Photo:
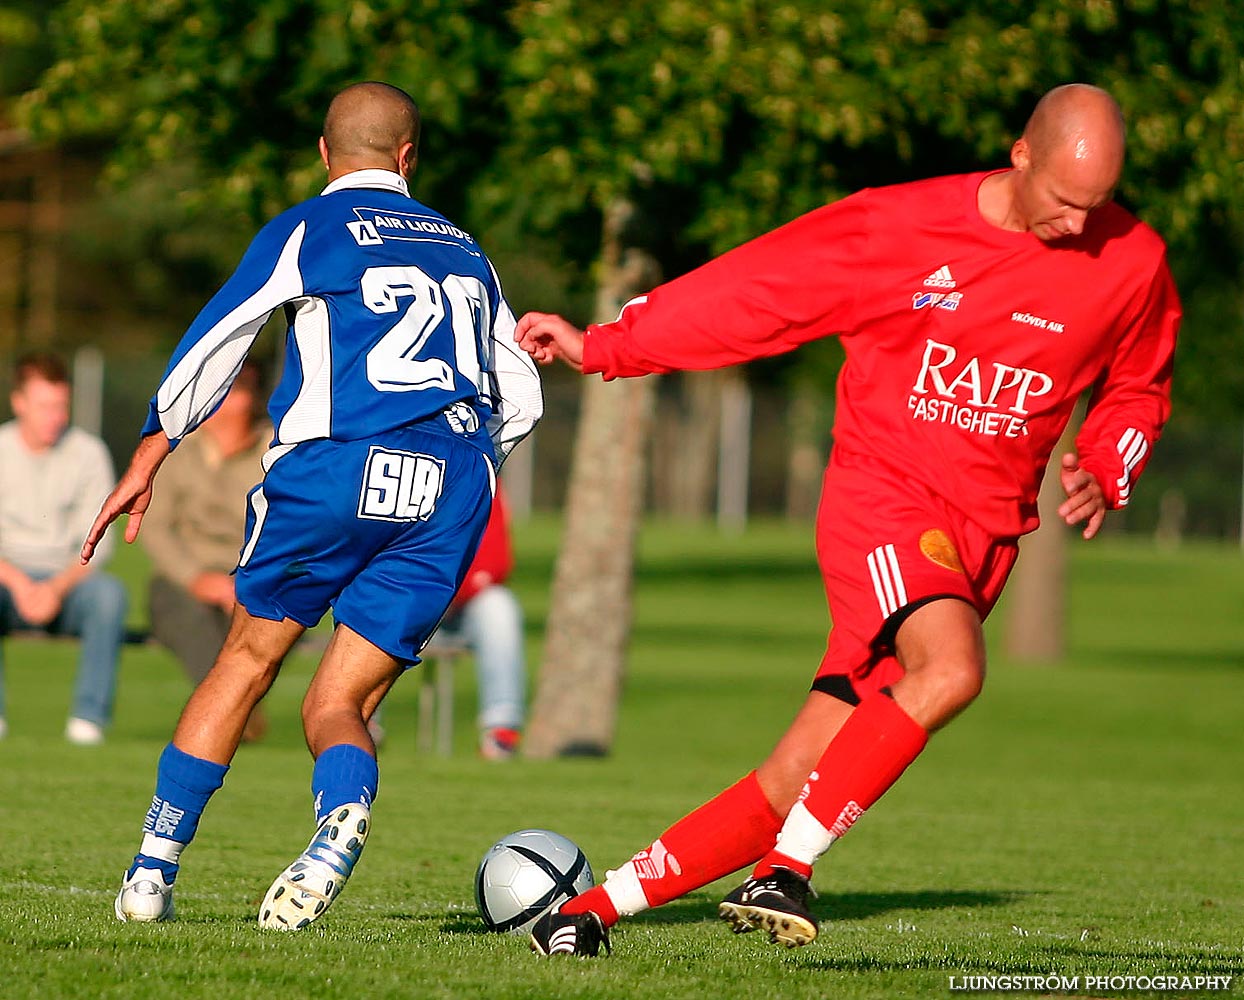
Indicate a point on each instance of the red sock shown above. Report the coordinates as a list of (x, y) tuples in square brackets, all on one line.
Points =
[(867, 756), (725, 834)]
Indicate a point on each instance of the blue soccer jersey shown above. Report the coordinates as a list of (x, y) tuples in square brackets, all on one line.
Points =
[(394, 315)]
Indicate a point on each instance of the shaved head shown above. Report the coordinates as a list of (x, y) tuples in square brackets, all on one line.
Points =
[(1080, 122), (1066, 165), (368, 125)]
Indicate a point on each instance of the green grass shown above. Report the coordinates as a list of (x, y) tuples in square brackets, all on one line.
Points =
[(1081, 819)]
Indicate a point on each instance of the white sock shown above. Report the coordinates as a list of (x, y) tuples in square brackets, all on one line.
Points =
[(625, 891), (803, 837)]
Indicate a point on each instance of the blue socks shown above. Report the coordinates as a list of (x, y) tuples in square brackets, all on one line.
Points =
[(183, 786), (343, 773)]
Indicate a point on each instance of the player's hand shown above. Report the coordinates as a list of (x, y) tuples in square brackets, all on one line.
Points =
[(132, 495), (547, 337), (1085, 500)]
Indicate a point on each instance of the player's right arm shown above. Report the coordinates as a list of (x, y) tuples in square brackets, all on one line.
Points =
[(547, 337), (792, 285)]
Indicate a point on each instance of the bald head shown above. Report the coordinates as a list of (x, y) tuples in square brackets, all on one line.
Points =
[(370, 125), (1080, 122), (1067, 162)]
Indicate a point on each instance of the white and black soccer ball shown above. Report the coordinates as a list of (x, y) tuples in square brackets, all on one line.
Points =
[(525, 874)]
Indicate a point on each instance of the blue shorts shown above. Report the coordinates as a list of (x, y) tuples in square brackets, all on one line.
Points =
[(382, 531)]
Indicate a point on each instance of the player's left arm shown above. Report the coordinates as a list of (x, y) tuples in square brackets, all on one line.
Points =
[(518, 399), (131, 495), (210, 353), (1130, 403)]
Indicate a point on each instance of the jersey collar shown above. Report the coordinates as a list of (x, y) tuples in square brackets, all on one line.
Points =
[(370, 178)]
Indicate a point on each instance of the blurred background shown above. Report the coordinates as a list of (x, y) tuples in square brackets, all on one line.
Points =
[(142, 142)]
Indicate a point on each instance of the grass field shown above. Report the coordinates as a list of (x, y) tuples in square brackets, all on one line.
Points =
[(1080, 819)]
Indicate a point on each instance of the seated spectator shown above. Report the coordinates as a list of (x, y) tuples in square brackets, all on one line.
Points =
[(486, 616), (195, 526), (53, 478)]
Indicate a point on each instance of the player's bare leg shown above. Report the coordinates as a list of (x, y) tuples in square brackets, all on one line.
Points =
[(943, 654), (193, 765), (353, 677), (942, 649), (786, 769), (211, 724)]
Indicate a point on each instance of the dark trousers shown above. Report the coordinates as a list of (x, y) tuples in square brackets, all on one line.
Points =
[(191, 630)]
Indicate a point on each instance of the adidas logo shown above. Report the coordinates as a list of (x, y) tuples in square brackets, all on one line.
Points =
[(941, 278)]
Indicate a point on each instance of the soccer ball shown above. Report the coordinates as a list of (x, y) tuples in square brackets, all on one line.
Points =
[(525, 874)]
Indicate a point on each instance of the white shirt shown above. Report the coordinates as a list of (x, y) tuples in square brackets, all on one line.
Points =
[(49, 499)]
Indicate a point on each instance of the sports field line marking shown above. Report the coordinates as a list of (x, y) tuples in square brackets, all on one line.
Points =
[(79, 890)]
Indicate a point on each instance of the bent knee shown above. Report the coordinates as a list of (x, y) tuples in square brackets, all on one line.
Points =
[(962, 683), (945, 688)]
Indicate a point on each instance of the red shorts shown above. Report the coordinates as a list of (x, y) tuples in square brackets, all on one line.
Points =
[(886, 545)]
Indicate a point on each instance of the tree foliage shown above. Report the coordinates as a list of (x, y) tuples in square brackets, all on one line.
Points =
[(238, 91), (760, 111), (736, 116), (726, 117), (23, 42)]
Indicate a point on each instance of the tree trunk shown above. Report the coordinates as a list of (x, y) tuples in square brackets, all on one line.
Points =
[(689, 448), (808, 421), (1036, 595), (588, 630), (735, 451)]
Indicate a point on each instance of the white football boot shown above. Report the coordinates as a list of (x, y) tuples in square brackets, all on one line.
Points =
[(144, 897), (308, 887)]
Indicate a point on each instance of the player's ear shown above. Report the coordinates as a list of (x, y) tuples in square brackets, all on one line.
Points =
[(324, 152), (1021, 154), (407, 159)]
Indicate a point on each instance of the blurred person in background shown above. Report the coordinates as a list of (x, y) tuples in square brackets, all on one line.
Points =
[(51, 479), (195, 526), (487, 618)]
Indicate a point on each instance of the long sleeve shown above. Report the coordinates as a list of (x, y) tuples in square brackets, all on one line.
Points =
[(768, 296), (1131, 401), (211, 352), (518, 400)]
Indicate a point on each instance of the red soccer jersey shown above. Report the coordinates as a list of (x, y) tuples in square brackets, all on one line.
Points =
[(967, 345)]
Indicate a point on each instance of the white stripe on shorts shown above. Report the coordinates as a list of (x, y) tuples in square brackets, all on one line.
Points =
[(259, 504), (887, 579)]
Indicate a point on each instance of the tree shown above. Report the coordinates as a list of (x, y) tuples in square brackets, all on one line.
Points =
[(588, 631), (208, 114), (742, 115), (719, 118)]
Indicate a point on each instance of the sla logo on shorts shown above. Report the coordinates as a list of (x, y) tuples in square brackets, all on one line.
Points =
[(400, 485)]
